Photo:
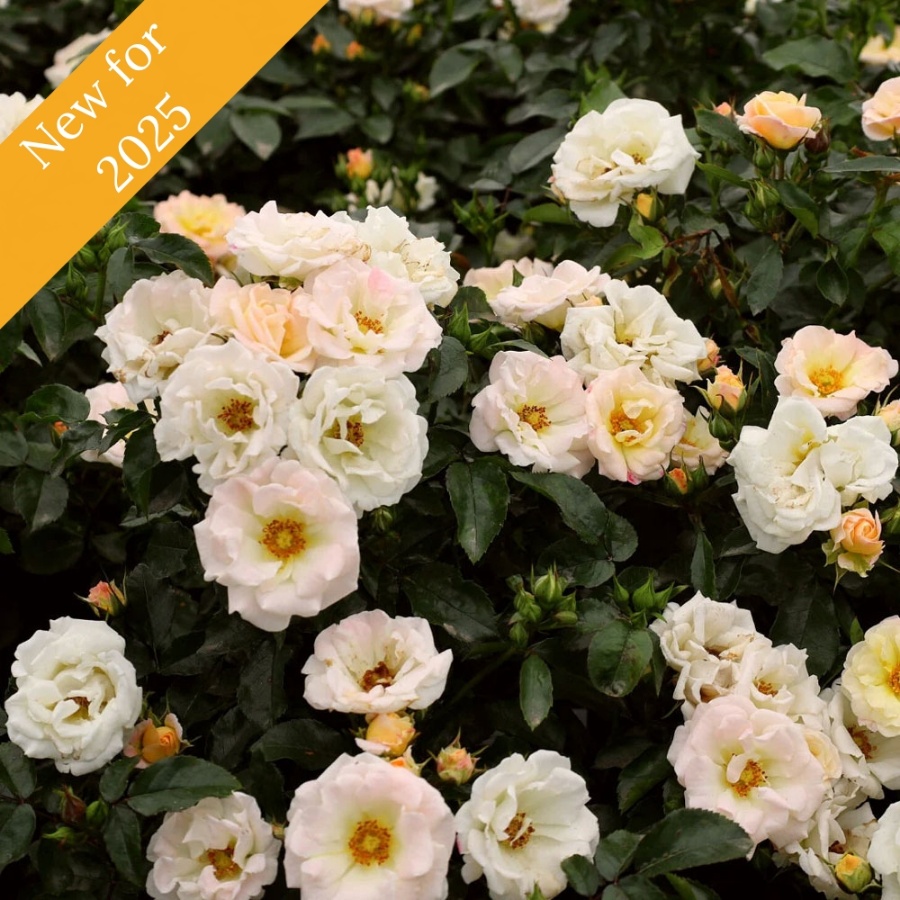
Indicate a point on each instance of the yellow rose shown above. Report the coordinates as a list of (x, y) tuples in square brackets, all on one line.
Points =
[(781, 120)]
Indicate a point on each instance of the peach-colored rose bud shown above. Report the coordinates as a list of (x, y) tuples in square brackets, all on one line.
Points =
[(407, 762), (724, 109), (881, 113), (321, 45), (857, 542), (393, 732), (712, 358), (455, 763), (677, 481), (726, 392), (781, 120), (360, 163), (72, 808), (890, 413), (105, 597), (646, 205), (853, 873), (154, 742), (60, 428), (354, 50)]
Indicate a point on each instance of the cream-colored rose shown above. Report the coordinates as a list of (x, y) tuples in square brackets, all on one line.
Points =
[(14, 110), (782, 120), (545, 15), (69, 57), (877, 52), (270, 321), (493, 280), (635, 424), (833, 371), (857, 541), (103, 399), (205, 220), (858, 459), (881, 112), (697, 447), (379, 9), (871, 678)]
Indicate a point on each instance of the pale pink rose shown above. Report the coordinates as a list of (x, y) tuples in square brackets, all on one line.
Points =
[(493, 280), (546, 299), (533, 413), (881, 112), (833, 371), (205, 220), (752, 765), (697, 447), (635, 424), (270, 321), (360, 315), (283, 540), (782, 120)]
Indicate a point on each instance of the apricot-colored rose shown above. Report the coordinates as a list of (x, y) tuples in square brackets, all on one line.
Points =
[(781, 120), (154, 742), (857, 540), (726, 392), (881, 112), (205, 220), (388, 734), (359, 163)]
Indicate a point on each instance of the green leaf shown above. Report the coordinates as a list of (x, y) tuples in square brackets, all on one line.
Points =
[(177, 783), (48, 319), (441, 595), (6, 546), (765, 279), (535, 690), (703, 567), (864, 164), (509, 58), (722, 128), (13, 448), (808, 620), (582, 875), (17, 824), (307, 742), (549, 213), (479, 495), (832, 282), (120, 273), (122, 837), (140, 460), (634, 887), (259, 130), (115, 777), (261, 689), (451, 68), (448, 369), (641, 775), (688, 838), (618, 655), (17, 771), (817, 56), (56, 402), (804, 209), (175, 250), (888, 238), (651, 239), (40, 498), (581, 509), (690, 890), (535, 148), (615, 852), (599, 97), (717, 173)]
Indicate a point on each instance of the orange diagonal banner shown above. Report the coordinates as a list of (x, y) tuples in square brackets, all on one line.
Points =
[(115, 121)]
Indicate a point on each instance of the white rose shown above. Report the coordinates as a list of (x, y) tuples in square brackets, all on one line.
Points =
[(390, 245), (783, 492), (859, 459), (69, 57), (752, 765), (383, 9), (367, 829), (291, 245), (635, 424), (426, 188), (636, 327), (493, 280), (372, 663), (360, 315), (363, 430), (533, 413), (104, 398), (523, 819), (704, 641), (283, 540), (608, 157), (546, 298), (697, 447), (545, 15), (14, 110), (77, 696), (147, 336), (270, 321), (226, 407), (220, 849), (884, 852)]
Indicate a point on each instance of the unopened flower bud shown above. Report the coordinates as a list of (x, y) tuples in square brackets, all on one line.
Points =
[(76, 286), (86, 258), (724, 109), (621, 594), (73, 808), (455, 764), (355, 50), (677, 482), (548, 589), (647, 205), (518, 634), (63, 834), (566, 617), (890, 413), (856, 543), (709, 362), (388, 734), (106, 598), (726, 393), (853, 873), (721, 429), (321, 45), (359, 163), (407, 762), (818, 142), (96, 813), (60, 428), (154, 742)]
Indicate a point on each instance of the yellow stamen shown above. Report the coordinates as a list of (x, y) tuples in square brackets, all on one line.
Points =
[(619, 422), (827, 380), (367, 324), (355, 433), (370, 843), (518, 833), (284, 538), (223, 863), (535, 416), (753, 776), (765, 688), (237, 415)]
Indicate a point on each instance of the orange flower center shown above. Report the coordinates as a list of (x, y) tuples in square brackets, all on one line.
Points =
[(619, 422), (284, 538), (894, 680), (518, 832), (827, 380), (861, 739), (765, 688), (236, 415), (370, 843), (367, 324), (752, 777), (223, 863), (355, 433), (380, 674), (535, 416)]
